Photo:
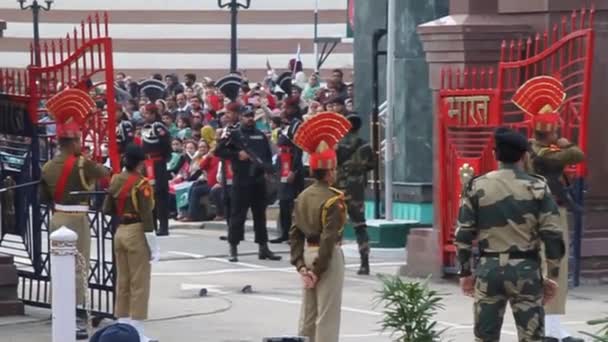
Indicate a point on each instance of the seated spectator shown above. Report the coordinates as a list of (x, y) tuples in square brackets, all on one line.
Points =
[(313, 86), (181, 172), (168, 121), (201, 186), (176, 155), (183, 126)]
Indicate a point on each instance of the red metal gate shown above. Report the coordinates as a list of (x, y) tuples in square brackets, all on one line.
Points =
[(84, 60), (472, 104)]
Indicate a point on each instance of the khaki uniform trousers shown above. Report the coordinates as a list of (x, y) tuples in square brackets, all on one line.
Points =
[(132, 272), (321, 306), (558, 305), (79, 224)]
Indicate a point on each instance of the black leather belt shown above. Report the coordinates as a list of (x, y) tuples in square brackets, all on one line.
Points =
[(313, 241), (513, 255), (129, 220)]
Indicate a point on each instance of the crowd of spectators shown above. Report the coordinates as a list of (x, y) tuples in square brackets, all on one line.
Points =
[(193, 112)]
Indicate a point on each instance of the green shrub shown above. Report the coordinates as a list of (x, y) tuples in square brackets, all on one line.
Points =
[(602, 334), (408, 309)]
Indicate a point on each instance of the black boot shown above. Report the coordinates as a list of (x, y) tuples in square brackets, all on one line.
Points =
[(279, 240), (265, 253), (364, 268), (234, 254), (82, 325)]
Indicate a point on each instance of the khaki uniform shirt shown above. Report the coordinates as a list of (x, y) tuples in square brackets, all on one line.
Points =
[(139, 203), (319, 216), (82, 178)]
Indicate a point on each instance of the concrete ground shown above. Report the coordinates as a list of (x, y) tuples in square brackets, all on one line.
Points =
[(195, 258)]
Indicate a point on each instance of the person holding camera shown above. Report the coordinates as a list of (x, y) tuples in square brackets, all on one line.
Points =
[(248, 151)]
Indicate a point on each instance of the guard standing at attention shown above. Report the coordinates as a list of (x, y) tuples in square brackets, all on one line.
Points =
[(157, 147), (131, 200), (230, 86), (316, 234), (549, 156), (355, 161), (248, 150), (510, 213), (289, 161), (67, 172)]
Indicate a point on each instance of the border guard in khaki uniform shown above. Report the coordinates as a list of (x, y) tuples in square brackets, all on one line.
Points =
[(541, 97), (69, 171), (316, 234), (510, 213), (131, 199)]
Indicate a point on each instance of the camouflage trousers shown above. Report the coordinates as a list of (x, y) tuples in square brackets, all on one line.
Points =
[(355, 206), (517, 282)]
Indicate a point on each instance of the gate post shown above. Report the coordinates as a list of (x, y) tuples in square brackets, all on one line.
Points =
[(63, 280)]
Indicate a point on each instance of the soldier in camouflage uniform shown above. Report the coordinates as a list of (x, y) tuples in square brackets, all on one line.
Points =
[(355, 160), (549, 156), (510, 213)]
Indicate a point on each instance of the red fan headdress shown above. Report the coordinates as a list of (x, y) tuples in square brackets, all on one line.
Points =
[(70, 108), (541, 97), (319, 136)]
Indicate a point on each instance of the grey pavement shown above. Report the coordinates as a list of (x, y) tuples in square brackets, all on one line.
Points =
[(194, 258)]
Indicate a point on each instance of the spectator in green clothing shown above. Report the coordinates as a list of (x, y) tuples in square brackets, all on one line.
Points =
[(168, 121), (183, 125)]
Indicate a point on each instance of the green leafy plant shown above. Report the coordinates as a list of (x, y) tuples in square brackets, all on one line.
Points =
[(602, 334), (408, 310)]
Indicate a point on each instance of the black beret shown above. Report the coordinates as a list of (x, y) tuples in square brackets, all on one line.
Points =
[(508, 138), (355, 120), (116, 333), (248, 110), (134, 152), (336, 100)]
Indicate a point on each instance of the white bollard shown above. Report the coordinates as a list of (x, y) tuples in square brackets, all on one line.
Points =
[(63, 275)]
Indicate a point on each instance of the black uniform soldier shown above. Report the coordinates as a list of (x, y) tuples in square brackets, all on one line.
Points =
[(355, 161), (289, 161), (157, 147), (125, 131), (230, 86), (131, 201), (549, 156), (248, 150), (67, 172), (510, 213)]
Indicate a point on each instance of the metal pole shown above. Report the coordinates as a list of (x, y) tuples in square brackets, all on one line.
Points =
[(316, 44), (233, 24), (375, 129), (36, 12), (390, 99)]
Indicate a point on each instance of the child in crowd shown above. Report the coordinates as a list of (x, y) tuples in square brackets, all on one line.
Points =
[(168, 121), (183, 125)]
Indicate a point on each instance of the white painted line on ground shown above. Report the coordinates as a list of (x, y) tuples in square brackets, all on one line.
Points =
[(244, 264), (365, 312), (191, 255)]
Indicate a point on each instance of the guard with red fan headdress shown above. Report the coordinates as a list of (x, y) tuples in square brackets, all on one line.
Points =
[(69, 171), (541, 98), (316, 234), (156, 140)]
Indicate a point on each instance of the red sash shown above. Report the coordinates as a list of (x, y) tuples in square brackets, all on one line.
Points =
[(149, 168), (63, 178), (285, 157), (229, 175), (124, 194)]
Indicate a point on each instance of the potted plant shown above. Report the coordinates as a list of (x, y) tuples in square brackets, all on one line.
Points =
[(408, 310)]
